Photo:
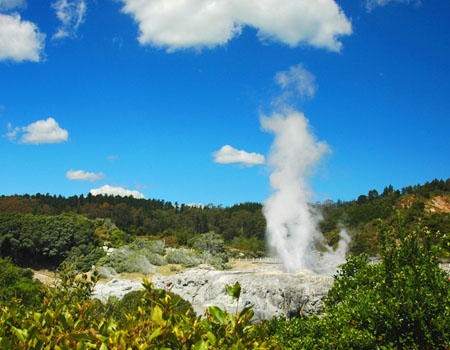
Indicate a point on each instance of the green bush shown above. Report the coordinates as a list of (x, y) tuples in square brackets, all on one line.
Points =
[(128, 305), (67, 320), (185, 258), (16, 282), (401, 303), (83, 257), (139, 256)]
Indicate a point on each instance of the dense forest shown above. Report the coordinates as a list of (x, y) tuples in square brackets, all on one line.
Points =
[(44, 230)]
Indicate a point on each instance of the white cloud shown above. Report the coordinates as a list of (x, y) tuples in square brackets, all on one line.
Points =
[(112, 157), (371, 4), (42, 131), (296, 82), (71, 14), (180, 24), (230, 155), (116, 191), (20, 40), (81, 175), (6, 5)]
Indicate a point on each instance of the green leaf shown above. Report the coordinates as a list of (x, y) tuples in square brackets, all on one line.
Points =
[(234, 291), (217, 314), (200, 345), (81, 337), (19, 334), (156, 332), (157, 315), (212, 338)]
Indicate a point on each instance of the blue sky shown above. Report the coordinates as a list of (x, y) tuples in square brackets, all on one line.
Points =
[(144, 95)]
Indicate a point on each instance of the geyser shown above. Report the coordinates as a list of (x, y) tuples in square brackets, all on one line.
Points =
[(291, 220)]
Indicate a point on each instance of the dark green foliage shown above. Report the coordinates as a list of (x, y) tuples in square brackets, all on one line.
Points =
[(16, 282), (83, 257), (41, 240), (150, 218)]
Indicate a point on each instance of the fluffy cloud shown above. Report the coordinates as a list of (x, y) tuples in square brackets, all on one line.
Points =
[(116, 191), (71, 14), (296, 82), (179, 24), (230, 155), (80, 175), (6, 5), (20, 40), (42, 131), (371, 4)]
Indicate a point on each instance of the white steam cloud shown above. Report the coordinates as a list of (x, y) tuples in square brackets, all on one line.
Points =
[(230, 155), (291, 221), (296, 82)]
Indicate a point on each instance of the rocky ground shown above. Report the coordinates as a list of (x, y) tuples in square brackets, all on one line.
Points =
[(270, 291)]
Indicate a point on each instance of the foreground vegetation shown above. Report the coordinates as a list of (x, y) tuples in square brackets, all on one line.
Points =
[(403, 302)]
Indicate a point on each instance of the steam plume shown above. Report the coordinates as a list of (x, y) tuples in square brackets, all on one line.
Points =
[(291, 220)]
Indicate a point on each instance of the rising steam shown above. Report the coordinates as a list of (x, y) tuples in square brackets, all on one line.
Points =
[(291, 220)]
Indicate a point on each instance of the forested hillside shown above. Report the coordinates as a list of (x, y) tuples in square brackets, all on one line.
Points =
[(44, 230)]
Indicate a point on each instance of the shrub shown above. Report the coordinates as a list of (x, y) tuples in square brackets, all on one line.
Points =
[(16, 282), (187, 259), (401, 303), (139, 256), (129, 304), (78, 323), (84, 257)]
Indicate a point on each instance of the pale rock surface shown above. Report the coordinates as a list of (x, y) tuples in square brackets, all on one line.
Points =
[(271, 292)]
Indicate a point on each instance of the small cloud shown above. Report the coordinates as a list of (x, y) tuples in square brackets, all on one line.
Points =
[(42, 131), (80, 175), (371, 4), (20, 40), (141, 187), (6, 5), (12, 132), (116, 191), (118, 41), (230, 155), (112, 157), (296, 82), (298, 79), (71, 14)]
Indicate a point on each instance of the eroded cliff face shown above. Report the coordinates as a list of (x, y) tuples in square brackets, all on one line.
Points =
[(438, 204), (271, 292)]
